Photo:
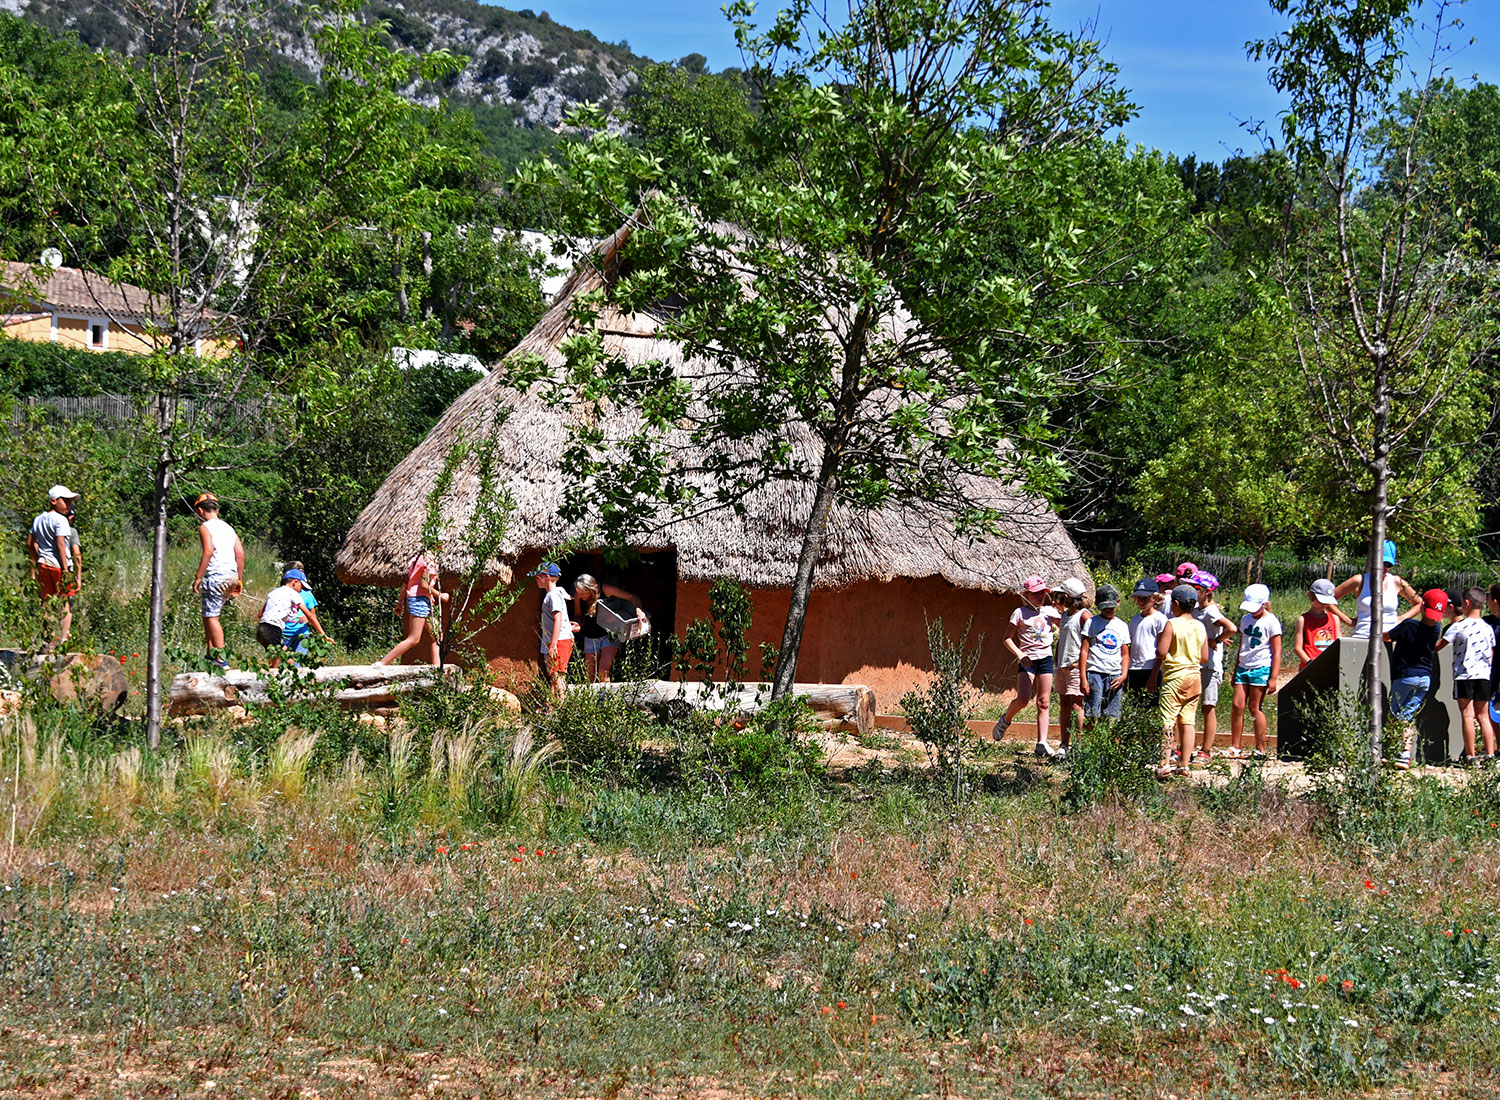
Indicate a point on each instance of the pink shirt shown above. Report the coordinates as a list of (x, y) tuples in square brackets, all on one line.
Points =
[(422, 563)]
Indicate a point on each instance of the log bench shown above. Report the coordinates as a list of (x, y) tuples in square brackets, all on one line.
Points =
[(848, 707), (359, 687)]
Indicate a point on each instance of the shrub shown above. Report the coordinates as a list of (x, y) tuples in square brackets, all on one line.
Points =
[(772, 750), (1116, 759), (939, 716), (603, 730), (527, 75)]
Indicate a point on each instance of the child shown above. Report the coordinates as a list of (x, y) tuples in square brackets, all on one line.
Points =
[(1473, 652), (1317, 628), (1219, 629), (1105, 657), (1255, 668), (282, 606), (1031, 641), (557, 628), (1073, 689), (420, 594), (1180, 651), (1413, 644), (1146, 626), (222, 564), (294, 634)]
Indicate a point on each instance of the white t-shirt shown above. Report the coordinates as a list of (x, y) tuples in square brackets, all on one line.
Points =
[(1145, 631), (221, 559), (1035, 637), (1070, 639), (46, 529), (282, 604), (1108, 639), (1211, 616), (1473, 645), (1255, 639), (554, 601)]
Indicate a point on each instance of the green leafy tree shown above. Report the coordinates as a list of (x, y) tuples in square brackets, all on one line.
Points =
[(811, 290), (1387, 300)]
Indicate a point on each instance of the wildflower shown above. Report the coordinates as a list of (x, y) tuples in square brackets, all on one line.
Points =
[(1294, 983), (843, 1005), (515, 859), (826, 1010), (1322, 977), (521, 848), (854, 874), (405, 940), (1028, 920), (1369, 885), (1346, 985), (135, 654), (442, 849)]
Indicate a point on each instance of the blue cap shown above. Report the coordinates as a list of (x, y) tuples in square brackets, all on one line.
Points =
[(1147, 587), (295, 575), (1390, 553), (547, 568)]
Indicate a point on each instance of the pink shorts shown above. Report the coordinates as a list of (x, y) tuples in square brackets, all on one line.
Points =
[(1072, 684)]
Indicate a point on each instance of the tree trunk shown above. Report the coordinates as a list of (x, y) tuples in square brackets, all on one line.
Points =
[(849, 707), (1375, 559), (158, 600), (353, 687), (807, 561)]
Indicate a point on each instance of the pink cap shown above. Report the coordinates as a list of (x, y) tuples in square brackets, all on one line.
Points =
[(1035, 584), (1166, 578)]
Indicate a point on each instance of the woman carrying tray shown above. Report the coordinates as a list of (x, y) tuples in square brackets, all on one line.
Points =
[(609, 617)]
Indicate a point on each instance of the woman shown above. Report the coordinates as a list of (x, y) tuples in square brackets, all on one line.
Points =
[(1392, 590), (600, 647)]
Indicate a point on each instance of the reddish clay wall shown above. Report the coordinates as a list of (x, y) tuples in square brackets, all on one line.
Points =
[(875, 632)]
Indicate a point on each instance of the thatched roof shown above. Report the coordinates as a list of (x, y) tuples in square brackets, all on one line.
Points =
[(758, 547)]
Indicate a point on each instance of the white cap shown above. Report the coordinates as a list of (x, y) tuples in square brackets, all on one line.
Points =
[(1071, 587), (61, 491), (1256, 597)]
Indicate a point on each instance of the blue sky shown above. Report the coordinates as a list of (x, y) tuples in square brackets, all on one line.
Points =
[(1183, 60)]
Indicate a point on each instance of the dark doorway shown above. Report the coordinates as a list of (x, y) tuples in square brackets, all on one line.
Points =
[(651, 579)]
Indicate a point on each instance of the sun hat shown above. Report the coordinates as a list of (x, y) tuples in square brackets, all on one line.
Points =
[(1107, 595), (1184, 593), (1187, 569), (1146, 587), (294, 575), (1434, 604), (1322, 590), (1202, 579), (1072, 586), (1034, 584), (1389, 554), (547, 568), (1256, 597), (60, 491)]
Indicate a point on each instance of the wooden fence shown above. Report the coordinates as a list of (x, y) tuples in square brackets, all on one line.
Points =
[(1281, 573), (117, 408)]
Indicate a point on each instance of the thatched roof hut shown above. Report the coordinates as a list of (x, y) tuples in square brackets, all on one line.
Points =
[(896, 542)]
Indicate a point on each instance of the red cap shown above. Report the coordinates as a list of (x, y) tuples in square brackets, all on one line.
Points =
[(1435, 602)]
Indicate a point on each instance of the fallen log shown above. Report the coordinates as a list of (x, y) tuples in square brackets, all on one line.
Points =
[(71, 677), (354, 687), (848, 707)]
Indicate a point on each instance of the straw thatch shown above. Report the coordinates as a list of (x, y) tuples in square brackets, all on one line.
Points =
[(759, 546)]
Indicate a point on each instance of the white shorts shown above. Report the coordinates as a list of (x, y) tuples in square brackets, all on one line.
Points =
[(1212, 678)]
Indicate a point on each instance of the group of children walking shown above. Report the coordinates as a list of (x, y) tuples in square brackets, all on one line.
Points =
[(1172, 655)]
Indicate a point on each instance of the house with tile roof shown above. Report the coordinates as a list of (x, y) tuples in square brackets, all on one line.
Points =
[(75, 308)]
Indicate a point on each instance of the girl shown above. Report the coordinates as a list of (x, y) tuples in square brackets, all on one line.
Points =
[(1146, 626), (600, 647), (1030, 640), (1219, 629), (417, 602), (1255, 667), (1074, 689), (1317, 628)]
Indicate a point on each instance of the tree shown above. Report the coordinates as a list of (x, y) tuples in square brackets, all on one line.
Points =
[(234, 216), (1388, 302), (854, 335)]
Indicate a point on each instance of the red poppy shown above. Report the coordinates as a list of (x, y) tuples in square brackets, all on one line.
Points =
[(1346, 985), (1322, 977), (854, 874), (1369, 885), (826, 1010), (843, 1005), (442, 850), (1028, 919), (515, 859)]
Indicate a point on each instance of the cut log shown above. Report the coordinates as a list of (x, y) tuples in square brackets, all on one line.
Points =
[(848, 707), (354, 687), (97, 679)]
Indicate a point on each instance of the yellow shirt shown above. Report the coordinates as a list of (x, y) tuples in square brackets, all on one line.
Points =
[(1184, 654)]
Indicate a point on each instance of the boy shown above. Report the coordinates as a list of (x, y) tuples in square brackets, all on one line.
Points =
[(49, 552), (1146, 626), (282, 606), (1072, 685), (1219, 629), (1180, 652), (1105, 657), (1317, 628), (1413, 644), (221, 566), (1473, 645), (1255, 668), (295, 633), (557, 628)]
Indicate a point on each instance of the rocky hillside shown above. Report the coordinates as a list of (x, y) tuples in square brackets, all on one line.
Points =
[(523, 67)]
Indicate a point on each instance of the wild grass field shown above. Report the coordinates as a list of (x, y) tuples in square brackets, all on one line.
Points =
[(458, 905)]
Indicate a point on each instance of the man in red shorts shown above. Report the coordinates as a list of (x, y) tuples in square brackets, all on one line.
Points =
[(54, 566)]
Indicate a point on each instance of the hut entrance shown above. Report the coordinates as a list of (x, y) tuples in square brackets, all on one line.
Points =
[(652, 579)]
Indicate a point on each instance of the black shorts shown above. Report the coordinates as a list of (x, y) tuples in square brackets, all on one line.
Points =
[(268, 634), (1471, 689), (1042, 666), (1136, 679)]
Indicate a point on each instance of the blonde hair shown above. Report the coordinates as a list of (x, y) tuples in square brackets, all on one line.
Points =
[(585, 582)]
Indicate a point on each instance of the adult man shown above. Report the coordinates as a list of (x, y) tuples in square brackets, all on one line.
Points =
[(221, 571), (50, 555)]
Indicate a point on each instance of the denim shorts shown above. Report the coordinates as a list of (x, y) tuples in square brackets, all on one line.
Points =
[(419, 607), (1253, 677), (1407, 696), (1042, 666), (1103, 701), (599, 645)]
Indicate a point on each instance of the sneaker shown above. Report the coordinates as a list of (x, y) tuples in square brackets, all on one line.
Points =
[(1060, 755), (1200, 760), (1001, 725), (1044, 750), (219, 661), (1465, 761), (1402, 762)]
